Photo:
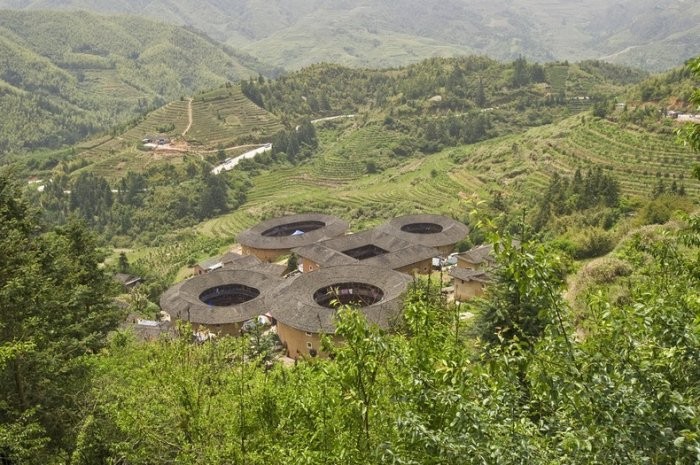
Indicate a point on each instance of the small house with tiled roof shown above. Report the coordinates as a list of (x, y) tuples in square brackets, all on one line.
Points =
[(478, 258), (469, 283)]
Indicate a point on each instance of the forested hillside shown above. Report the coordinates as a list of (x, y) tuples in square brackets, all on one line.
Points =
[(64, 76), (413, 139), (650, 34), (444, 86)]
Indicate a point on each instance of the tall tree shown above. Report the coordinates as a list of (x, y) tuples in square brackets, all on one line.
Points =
[(55, 307), (690, 133)]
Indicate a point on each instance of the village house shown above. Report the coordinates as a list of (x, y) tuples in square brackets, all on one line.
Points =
[(478, 258), (225, 261), (468, 283), (128, 282)]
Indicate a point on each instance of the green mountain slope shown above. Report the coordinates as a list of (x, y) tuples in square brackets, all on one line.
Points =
[(413, 111), (65, 75), (654, 34), (519, 166), (221, 119)]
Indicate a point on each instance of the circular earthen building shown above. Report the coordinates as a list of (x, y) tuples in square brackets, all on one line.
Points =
[(305, 307), (437, 231), (220, 300), (272, 238)]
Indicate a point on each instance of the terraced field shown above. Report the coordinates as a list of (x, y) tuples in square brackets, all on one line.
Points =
[(556, 78), (112, 157), (520, 165), (109, 83), (347, 153), (637, 158), (221, 118), (225, 117)]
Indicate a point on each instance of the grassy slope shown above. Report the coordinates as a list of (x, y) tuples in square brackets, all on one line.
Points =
[(225, 117), (64, 75)]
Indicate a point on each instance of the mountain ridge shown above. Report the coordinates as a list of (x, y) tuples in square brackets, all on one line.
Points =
[(295, 33)]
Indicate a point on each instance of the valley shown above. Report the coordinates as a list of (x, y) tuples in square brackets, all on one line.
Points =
[(390, 252)]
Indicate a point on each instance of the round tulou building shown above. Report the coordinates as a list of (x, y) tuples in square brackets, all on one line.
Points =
[(220, 301), (275, 237), (437, 231), (305, 308)]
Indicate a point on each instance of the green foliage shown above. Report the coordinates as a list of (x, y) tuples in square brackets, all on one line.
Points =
[(623, 390), (55, 310), (690, 133), (564, 196), (68, 75), (292, 262), (661, 209), (591, 242), (528, 285), (144, 206)]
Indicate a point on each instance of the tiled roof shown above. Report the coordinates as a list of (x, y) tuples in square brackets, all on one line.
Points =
[(398, 253), (293, 303), (466, 274), (450, 231), (255, 238)]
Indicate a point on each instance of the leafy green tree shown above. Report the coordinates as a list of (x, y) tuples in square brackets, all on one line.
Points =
[(690, 133), (213, 199), (292, 262), (123, 264), (361, 362), (55, 308), (521, 74), (522, 300)]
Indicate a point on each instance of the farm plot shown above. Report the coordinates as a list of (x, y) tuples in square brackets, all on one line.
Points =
[(638, 159), (347, 154), (226, 117), (113, 157)]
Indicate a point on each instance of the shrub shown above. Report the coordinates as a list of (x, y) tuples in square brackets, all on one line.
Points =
[(593, 242), (660, 209)]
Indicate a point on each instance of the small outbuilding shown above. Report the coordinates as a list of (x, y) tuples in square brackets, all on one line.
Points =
[(228, 260), (128, 282), (478, 258), (469, 283)]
